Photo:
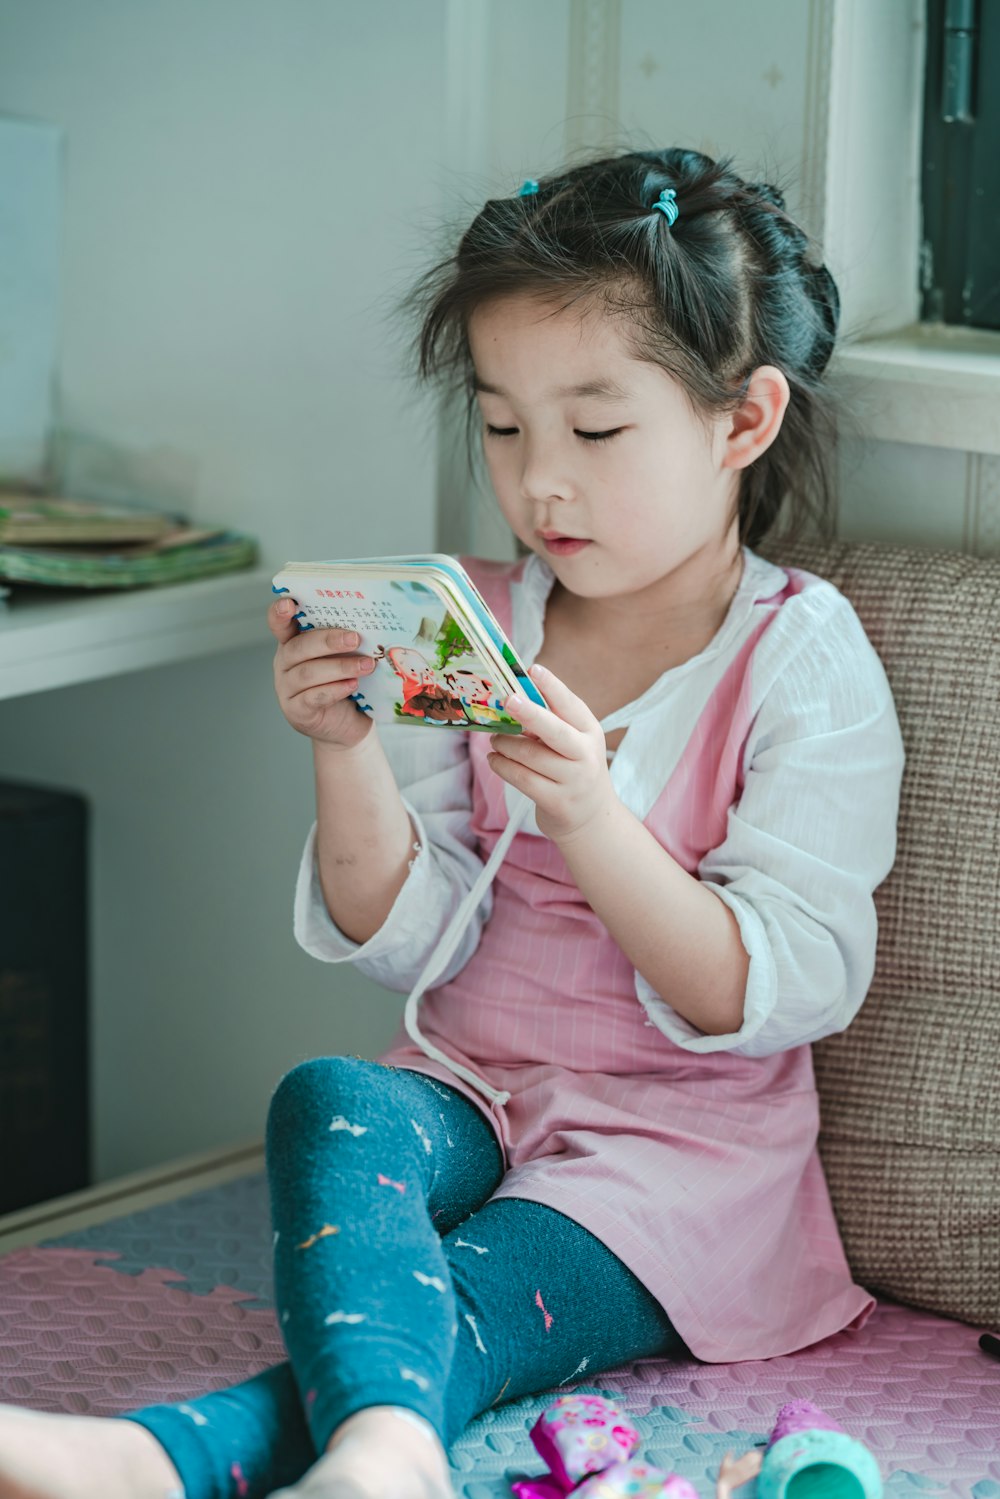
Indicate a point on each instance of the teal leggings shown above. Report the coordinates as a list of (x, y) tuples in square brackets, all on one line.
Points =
[(399, 1282)]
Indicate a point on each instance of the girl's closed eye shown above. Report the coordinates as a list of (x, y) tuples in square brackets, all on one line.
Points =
[(587, 436)]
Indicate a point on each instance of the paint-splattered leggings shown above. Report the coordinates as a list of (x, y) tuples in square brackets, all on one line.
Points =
[(397, 1282)]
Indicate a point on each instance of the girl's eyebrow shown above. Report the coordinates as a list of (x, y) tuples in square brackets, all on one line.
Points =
[(604, 389)]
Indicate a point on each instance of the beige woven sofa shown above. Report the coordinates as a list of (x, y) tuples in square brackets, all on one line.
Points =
[(910, 1093)]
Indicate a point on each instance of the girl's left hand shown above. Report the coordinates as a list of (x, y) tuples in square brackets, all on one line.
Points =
[(560, 761)]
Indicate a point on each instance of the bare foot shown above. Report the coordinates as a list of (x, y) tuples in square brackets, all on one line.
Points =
[(377, 1454), (81, 1457)]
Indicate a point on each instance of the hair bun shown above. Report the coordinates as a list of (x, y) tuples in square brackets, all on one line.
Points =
[(822, 291), (768, 193), (829, 295)]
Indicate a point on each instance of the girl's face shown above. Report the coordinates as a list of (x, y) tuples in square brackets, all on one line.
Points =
[(627, 467)]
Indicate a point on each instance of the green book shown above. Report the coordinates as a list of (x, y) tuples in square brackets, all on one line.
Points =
[(182, 554)]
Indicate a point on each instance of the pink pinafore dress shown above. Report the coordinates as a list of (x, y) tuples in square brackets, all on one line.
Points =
[(699, 1171)]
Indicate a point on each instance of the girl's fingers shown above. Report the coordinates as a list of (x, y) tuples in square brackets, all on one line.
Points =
[(559, 698), (521, 777), (315, 666), (324, 696), (306, 645), (280, 620), (323, 671), (551, 725), (520, 750), (283, 624)]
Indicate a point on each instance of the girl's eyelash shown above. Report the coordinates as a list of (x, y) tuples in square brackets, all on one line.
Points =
[(587, 436)]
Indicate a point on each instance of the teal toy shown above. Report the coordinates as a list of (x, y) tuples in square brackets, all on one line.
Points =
[(811, 1457)]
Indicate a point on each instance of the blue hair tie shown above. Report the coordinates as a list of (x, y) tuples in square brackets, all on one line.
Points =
[(667, 204), (528, 186)]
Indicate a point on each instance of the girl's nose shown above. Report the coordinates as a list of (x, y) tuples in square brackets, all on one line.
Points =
[(544, 479)]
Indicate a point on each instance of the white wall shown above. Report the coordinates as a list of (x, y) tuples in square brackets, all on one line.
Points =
[(248, 184)]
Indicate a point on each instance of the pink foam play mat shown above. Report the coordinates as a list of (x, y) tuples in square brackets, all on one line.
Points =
[(175, 1300)]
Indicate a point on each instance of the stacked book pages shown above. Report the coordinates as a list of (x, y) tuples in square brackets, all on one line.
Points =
[(58, 542)]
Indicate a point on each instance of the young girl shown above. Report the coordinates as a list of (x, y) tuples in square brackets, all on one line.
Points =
[(599, 1143)]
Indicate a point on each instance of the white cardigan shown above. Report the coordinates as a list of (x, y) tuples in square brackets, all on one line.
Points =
[(811, 837)]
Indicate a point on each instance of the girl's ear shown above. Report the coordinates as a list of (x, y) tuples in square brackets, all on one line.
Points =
[(756, 422)]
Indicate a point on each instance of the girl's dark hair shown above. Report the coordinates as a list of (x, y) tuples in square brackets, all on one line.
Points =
[(728, 287)]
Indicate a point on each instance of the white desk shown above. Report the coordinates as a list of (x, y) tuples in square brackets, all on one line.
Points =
[(51, 641)]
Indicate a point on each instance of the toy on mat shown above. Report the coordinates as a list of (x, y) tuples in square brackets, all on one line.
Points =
[(814, 1458), (590, 1445), (635, 1478)]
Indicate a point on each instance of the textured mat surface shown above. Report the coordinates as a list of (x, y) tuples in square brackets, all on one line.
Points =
[(170, 1302)]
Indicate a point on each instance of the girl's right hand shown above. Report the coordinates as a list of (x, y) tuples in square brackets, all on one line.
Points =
[(314, 673)]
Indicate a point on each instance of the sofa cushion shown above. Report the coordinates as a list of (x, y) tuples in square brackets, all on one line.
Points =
[(910, 1092)]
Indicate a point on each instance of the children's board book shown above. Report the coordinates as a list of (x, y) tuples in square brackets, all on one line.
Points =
[(441, 658)]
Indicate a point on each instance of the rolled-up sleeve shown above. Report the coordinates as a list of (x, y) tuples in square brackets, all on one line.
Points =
[(433, 773), (811, 837)]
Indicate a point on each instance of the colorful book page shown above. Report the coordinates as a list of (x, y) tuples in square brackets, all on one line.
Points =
[(428, 671), (470, 598)]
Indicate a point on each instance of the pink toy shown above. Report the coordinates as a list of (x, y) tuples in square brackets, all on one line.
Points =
[(581, 1434), (634, 1478), (590, 1445), (812, 1457), (801, 1415), (537, 1488), (588, 1442)]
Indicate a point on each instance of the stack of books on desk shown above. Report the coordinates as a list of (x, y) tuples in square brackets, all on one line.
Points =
[(58, 542)]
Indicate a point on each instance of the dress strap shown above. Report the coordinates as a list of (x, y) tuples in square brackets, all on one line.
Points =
[(441, 956)]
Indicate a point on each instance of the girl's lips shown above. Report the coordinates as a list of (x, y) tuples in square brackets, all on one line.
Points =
[(565, 546)]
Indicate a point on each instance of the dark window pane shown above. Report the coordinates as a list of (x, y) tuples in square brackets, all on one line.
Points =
[(960, 272)]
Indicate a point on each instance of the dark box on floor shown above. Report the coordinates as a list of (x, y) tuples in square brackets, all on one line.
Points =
[(44, 1052)]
